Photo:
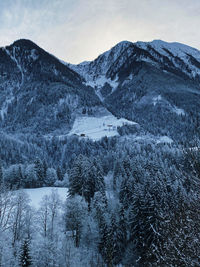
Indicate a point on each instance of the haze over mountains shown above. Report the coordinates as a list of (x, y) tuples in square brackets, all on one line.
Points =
[(155, 84)]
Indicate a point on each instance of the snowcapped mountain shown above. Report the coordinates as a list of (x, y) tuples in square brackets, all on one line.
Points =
[(172, 57), (155, 84)]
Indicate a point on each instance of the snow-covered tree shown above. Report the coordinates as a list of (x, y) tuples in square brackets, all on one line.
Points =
[(40, 172), (75, 213), (25, 257), (51, 177)]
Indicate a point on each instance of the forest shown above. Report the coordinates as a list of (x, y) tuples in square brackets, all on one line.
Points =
[(132, 200), (128, 204)]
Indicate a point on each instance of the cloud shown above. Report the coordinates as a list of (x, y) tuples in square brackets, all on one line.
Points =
[(77, 30)]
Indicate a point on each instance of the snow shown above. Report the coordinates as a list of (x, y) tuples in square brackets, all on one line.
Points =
[(148, 138), (4, 109), (159, 98), (96, 72), (156, 99), (178, 111), (36, 194), (164, 139), (98, 127), (34, 55), (101, 80), (178, 50)]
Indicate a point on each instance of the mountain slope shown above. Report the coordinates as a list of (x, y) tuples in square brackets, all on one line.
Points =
[(155, 84), (173, 57), (36, 87)]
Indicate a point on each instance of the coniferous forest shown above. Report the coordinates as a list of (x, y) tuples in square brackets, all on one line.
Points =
[(121, 135), (134, 205)]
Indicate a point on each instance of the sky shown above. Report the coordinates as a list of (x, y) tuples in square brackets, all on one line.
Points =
[(79, 30)]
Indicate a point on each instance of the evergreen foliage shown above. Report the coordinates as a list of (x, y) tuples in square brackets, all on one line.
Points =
[(25, 258)]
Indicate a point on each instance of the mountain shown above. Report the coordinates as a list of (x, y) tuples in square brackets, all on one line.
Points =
[(38, 93), (117, 63), (153, 83)]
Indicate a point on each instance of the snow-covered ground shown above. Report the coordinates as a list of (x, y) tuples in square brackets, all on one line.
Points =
[(36, 194), (178, 111), (148, 138), (98, 127), (164, 139)]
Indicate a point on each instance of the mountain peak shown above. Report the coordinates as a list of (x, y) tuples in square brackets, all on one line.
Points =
[(25, 43), (176, 48), (124, 43)]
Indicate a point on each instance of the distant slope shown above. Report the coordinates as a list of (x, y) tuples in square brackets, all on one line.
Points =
[(173, 57), (38, 92), (156, 84)]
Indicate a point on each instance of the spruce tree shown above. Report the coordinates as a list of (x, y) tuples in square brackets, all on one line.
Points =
[(117, 174), (25, 258), (39, 169), (147, 221), (59, 174), (85, 179), (1, 175)]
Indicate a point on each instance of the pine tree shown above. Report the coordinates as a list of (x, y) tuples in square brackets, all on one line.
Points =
[(77, 177), (117, 173), (20, 177), (85, 179), (106, 240), (39, 169), (120, 237), (25, 258), (45, 167), (126, 191), (59, 174), (99, 179), (147, 223), (1, 175), (182, 242)]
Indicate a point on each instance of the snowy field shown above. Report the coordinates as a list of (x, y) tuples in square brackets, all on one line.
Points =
[(36, 194), (98, 127)]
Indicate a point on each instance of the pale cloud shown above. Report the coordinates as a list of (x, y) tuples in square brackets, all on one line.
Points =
[(77, 30)]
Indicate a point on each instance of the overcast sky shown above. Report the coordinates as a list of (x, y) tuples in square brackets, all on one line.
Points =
[(78, 30)]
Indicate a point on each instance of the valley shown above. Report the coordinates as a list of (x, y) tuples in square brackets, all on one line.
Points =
[(113, 136)]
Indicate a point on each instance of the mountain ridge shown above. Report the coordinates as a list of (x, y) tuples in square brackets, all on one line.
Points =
[(36, 85), (173, 49), (152, 83), (144, 82)]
